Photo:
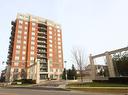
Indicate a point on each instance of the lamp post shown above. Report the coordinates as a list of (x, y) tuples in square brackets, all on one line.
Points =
[(65, 70)]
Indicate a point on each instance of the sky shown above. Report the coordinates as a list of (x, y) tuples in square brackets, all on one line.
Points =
[(93, 25)]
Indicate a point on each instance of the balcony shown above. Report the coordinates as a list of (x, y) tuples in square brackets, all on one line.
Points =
[(13, 23), (41, 51), (42, 34), (40, 56), (42, 37), (41, 42), (42, 25), (41, 46)]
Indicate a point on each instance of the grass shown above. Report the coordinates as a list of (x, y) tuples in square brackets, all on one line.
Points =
[(96, 87), (96, 84)]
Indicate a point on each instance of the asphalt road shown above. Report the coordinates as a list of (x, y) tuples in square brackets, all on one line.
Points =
[(46, 91)]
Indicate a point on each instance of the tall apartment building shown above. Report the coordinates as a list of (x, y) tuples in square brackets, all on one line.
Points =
[(35, 50)]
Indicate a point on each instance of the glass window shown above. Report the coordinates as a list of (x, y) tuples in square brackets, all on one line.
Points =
[(32, 52), (32, 38), (50, 37), (50, 32), (19, 36), (24, 47), (20, 26), (50, 54), (24, 42), (25, 37), (20, 21), (32, 43), (32, 47), (50, 41), (59, 47), (59, 43), (59, 35), (19, 31), (59, 39), (23, 52), (59, 51), (17, 52), (50, 28), (31, 58), (33, 29), (33, 33), (17, 57), (26, 23), (18, 41), (17, 46), (23, 58), (33, 24), (25, 32), (50, 45), (50, 50), (25, 27)]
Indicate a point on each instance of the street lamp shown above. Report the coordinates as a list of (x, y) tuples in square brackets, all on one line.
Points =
[(65, 70)]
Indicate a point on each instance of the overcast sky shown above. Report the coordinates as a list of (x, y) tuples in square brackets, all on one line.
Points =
[(94, 25)]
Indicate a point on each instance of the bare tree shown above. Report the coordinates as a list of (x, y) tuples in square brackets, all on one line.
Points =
[(80, 59)]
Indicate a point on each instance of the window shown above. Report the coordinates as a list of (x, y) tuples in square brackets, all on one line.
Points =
[(33, 33), (32, 52), (32, 43), (19, 31), (59, 47), (50, 50), (23, 58), (31, 58), (24, 47), (59, 56), (58, 30), (20, 26), (19, 36), (50, 28), (50, 37), (59, 43), (17, 58), (59, 51), (16, 63), (23, 52), (21, 17), (17, 52), (17, 46), (26, 23), (26, 18), (59, 39), (33, 24), (60, 60), (50, 41), (33, 29), (18, 41), (32, 47), (20, 22), (25, 32), (59, 35), (32, 38), (50, 45), (24, 42), (50, 32), (25, 27), (25, 37), (50, 54)]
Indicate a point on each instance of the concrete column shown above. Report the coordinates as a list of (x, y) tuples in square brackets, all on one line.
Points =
[(38, 71), (110, 65), (93, 71)]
